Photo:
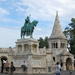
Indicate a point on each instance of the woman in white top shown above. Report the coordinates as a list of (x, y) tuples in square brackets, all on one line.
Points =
[(58, 68)]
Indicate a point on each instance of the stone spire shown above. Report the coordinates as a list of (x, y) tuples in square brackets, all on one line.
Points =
[(57, 32)]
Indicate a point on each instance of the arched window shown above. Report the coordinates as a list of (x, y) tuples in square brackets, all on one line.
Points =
[(54, 45), (62, 45), (68, 64)]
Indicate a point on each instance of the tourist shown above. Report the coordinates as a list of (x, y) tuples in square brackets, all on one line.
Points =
[(24, 66), (58, 68), (7, 66), (12, 68), (3, 65)]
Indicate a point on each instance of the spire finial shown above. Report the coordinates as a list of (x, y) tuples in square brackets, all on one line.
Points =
[(57, 32), (56, 12), (57, 17)]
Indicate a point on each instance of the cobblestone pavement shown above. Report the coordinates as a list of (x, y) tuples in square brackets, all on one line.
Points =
[(62, 73)]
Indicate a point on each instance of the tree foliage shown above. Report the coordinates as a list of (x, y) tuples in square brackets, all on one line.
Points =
[(70, 34), (43, 42), (46, 42)]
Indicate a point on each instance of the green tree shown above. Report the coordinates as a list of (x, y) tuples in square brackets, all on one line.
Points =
[(46, 42), (41, 42), (70, 34)]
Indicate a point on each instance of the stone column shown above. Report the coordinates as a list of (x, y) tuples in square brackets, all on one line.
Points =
[(29, 49), (58, 43), (37, 48), (66, 44), (64, 65), (0, 61), (22, 47), (17, 48), (29, 64), (72, 65)]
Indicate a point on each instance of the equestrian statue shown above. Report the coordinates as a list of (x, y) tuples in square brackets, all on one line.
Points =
[(28, 28)]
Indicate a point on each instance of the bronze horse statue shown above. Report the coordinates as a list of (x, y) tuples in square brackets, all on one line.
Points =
[(28, 28)]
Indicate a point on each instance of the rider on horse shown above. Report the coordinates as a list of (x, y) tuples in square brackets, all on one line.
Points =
[(28, 27)]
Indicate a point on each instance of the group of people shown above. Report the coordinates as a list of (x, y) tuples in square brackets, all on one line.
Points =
[(7, 67)]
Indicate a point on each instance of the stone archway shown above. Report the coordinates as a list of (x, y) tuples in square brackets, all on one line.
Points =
[(68, 64), (3, 58)]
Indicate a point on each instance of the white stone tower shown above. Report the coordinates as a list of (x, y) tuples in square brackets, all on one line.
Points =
[(57, 40), (57, 31)]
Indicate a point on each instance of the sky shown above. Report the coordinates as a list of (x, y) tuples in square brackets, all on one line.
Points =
[(14, 12)]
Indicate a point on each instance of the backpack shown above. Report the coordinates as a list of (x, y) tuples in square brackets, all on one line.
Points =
[(14, 68)]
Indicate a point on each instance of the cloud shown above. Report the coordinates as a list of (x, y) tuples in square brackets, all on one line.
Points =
[(3, 11), (38, 29), (9, 20), (8, 36), (45, 9), (20, 9)]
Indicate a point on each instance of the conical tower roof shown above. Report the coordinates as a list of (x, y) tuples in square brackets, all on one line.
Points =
[(57, 31)]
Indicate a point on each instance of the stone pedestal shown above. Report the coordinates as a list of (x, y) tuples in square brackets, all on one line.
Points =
[(27, 45), (26, 48)]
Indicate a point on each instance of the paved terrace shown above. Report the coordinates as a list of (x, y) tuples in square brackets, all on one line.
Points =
[(62, 73)]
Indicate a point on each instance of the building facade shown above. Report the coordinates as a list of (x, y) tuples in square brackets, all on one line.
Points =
[(40, 60)]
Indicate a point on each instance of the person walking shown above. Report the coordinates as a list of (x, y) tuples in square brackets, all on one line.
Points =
[(58, 68), (2, 66)]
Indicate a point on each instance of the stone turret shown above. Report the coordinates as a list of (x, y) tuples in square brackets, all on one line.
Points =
[(57, 40), (57, 31)]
